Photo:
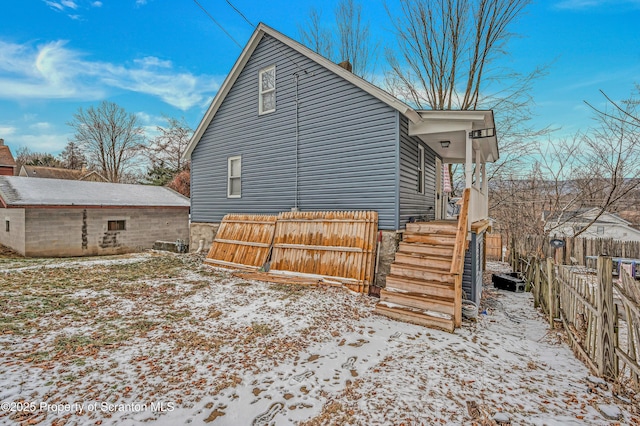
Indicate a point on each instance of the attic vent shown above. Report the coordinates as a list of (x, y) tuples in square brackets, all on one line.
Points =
[(346, 65)]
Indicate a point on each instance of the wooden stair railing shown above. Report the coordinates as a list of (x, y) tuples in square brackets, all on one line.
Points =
[(460, 247)]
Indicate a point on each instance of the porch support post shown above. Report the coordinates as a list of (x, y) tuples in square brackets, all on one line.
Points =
[(479, 161), (485, 186), (468, 158)]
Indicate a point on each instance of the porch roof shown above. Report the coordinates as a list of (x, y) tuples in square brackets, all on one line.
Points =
[(436, 127)]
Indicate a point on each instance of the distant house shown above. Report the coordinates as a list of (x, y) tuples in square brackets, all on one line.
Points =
[(7, 163), (608, 225), (54, 217), (61, 173), (291, 130)]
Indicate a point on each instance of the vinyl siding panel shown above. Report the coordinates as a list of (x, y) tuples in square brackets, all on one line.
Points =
[(347, 151), (412, 203), (472, 276)]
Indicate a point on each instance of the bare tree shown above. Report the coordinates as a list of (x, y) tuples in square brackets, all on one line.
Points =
[(170, 144), (354, 43), (610, 158), (447, 58), (26, 157), (315, 36), (596, 172), (110, 136), (72, 156), (350, 41)]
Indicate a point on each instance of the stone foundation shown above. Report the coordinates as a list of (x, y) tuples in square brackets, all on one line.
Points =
[(388, 248), (202, 231)]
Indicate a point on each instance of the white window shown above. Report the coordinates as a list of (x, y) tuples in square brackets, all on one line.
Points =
[(600, 230), (267, 88), (234, 184), (420, 169)]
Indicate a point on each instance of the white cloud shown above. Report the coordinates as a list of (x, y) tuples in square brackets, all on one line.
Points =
[(141, 2), (46, 142), (6, 130), (41, 125), (588, 4), (70, 4), (53, 71), (96, 4)]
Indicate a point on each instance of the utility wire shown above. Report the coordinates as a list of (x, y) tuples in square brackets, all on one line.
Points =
[(240, 13), (217, 23)]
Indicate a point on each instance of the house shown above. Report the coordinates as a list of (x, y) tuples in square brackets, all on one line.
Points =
[(61, 173), (608, 225), (291, 130), (56, 218), (7, 163)]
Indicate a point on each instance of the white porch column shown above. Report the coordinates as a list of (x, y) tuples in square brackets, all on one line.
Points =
[(479, 160), (468, 160), (485, 185)]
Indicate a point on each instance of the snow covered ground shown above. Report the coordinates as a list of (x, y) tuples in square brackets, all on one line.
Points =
[(159, 339)]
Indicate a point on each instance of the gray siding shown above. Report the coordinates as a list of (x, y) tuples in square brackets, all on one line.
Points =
[(472, 277), (412, 203), (347, 145), (14, 239)]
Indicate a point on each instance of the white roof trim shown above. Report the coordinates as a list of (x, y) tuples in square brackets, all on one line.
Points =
[(258, 34)]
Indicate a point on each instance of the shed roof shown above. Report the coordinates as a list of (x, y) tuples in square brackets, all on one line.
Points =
[(18, 191)]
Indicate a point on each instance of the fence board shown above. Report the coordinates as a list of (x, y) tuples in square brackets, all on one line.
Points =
[(493, 246), (336, 245), (242, 241), (607, 342)]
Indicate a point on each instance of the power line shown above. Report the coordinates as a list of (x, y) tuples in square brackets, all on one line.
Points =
[(240, 13), (217, 23)]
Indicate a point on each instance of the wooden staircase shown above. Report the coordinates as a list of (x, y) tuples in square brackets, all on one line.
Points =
[(425, 283)]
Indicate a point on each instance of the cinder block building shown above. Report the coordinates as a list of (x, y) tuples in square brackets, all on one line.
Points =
[(57, 218)]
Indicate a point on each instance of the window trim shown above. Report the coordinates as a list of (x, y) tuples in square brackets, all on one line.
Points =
[(120, 225), (262, 92), (421, 170), (229, 176)]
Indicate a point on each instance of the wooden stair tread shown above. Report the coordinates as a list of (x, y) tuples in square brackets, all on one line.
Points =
[(437, 239), (445, 305), (425, 288), (431, 263), (421, 272), (432, 228), (433, 249), (416, 316)]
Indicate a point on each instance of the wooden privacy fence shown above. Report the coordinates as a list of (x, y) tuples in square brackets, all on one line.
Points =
[(576, 248), (601, 317), (242, 241), (329, 246), (493, 247)]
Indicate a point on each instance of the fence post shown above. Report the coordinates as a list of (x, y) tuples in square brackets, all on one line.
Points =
[(551, 292), (536, 281), (605, 352)]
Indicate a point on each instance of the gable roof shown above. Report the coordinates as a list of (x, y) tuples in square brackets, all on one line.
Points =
[(6, 159), (58, 173), (19, 191), (585, 215), (265, 31)]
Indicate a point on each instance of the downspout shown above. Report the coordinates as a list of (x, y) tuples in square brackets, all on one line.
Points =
[(295, 201)]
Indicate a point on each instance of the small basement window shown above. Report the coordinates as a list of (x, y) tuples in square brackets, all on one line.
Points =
[(116, 225), (420, 169), (234, 174), (267, 89)]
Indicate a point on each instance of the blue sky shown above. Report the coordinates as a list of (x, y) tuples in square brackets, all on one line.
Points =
[(156, 57)]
